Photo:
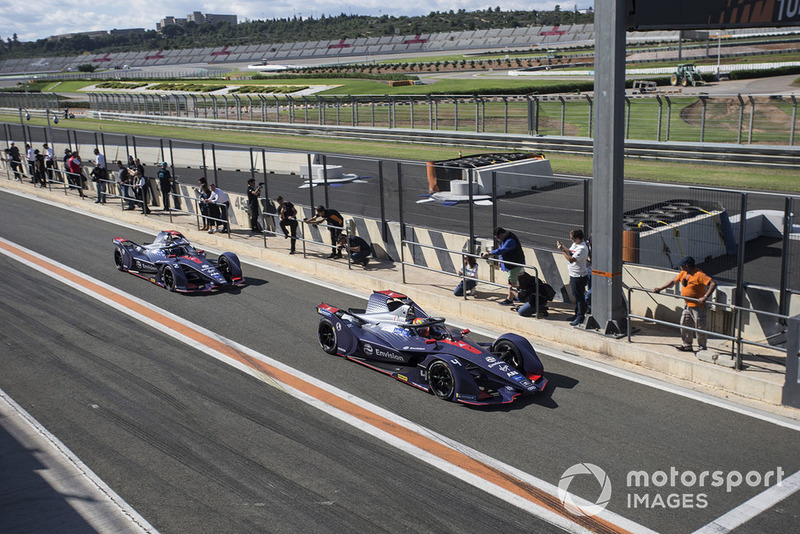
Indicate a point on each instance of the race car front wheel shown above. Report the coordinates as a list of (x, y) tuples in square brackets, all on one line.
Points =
[(509, 353), (326, 334), (225, 269), (168, 277), (118, 260), (440, 380)]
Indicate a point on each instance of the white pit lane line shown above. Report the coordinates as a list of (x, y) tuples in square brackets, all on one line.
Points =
[(93, 288)]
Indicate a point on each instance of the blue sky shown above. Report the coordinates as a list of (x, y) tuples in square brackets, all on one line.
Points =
[(55, 17)]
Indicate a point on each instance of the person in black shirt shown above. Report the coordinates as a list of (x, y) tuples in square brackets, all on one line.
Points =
[(165, 184), (357, 247), (16, 161), (253, 194), (335, 223), (287, 214)]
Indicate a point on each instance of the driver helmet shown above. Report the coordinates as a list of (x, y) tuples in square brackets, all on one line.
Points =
[(424, 332)]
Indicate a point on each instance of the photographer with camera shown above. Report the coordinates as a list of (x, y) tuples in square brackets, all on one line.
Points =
[(253, 194)]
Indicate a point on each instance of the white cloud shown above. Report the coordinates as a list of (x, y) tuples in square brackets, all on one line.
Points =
[(51, 17)]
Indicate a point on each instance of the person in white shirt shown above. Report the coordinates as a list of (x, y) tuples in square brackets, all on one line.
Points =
[(31, 156), (219, 198), (577, 256), (49, 161), (100, 176)]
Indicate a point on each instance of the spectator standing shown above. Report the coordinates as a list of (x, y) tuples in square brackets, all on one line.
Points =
[(49, 161), (16, 161), (287, 214), (253, 195), (203, 192), (577, 255), (100, 176), (74, 165), (697, 286), (335, 223), (470, 270), (140, 183), (358, 249), (219, 198), (510, 250), (165, 184), (124, 185), (38, 169), (30, 154)]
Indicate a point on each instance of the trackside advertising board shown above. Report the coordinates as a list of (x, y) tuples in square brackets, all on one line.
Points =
[(711, 14)]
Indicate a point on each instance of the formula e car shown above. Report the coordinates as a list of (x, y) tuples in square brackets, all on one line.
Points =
[(173, 263), (395, 336)]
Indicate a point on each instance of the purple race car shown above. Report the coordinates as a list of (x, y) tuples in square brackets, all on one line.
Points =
[(396, 337), (173, 263)]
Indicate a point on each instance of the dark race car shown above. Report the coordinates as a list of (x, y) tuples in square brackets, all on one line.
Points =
[(396, 337), (173, 263)]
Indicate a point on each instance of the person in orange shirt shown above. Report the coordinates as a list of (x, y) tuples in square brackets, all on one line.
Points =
[(696, 286)]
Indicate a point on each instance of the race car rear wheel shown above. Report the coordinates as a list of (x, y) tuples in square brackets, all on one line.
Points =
[(440, 380), (118, 260), (168, 277), (326, 334), (225, 269), (509, 353)]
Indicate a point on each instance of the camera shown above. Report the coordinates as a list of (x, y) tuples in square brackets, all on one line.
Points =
[(260, 184)]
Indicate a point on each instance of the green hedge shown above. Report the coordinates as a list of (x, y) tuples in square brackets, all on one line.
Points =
[(193, 87), (780, 71), (337, 75), (120, 85), (280, 89)]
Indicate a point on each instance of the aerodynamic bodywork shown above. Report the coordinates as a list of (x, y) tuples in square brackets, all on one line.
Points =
[(173, 263), (395, 336)]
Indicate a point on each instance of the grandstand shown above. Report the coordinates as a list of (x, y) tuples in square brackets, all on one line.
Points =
[(341, 49)]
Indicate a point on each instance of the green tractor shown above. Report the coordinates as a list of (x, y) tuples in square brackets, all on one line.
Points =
[(686, 74)]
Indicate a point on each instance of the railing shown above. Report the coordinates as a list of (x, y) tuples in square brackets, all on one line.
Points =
[(737, 339)]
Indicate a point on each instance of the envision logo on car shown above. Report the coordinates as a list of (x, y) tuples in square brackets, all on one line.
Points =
[(368, 349)]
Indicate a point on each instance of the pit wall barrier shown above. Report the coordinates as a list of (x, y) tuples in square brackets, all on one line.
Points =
[(551, 265)]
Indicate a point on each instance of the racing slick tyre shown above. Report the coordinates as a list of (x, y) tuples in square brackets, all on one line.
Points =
[(225, 269), (440, 380), (328, 340), (168, 277), (118, 261), (509, 353)]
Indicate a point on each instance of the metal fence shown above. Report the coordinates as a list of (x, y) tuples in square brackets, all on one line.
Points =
[(734, 119)]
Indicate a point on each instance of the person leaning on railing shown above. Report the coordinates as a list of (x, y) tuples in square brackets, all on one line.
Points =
[(335, 223), (697, 286)]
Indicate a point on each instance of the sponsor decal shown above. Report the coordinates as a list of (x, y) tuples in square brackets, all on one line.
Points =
[(389, 355), (403, 378), (465, 397), (518, 378), (368, 350)]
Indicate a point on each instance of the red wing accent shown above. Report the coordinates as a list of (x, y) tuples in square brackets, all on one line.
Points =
[(327, 308), (461, 345), (391, 294), (534, 378)]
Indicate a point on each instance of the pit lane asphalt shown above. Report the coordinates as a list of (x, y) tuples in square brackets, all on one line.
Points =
[(194, 445)]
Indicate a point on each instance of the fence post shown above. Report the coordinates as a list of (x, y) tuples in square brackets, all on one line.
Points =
[(411, 111), (384, 223), (791, 388), (430, 112), (401, 219), (741, 119), (238, 107), (669, 115), (703, 119), (563, 113), (660, 113), (752, 117), (477, 113), (627, 117), (794, 120), (788, 224), (505, 114), (455, 113), (392, 113), (205, 166), (591, 113)]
